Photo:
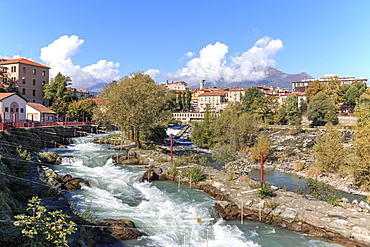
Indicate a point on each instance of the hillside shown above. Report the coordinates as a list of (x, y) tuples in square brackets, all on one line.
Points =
[(274, 78)]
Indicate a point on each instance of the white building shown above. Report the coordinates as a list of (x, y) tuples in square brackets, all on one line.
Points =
[(301, 86), (39, 113), (12, 107)]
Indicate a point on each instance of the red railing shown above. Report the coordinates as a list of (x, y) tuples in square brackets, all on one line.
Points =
[(4, 126)]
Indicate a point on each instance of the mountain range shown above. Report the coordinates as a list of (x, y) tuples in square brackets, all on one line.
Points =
[(274, 78)]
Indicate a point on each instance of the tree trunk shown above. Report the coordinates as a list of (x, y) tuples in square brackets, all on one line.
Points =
[(137, 139)]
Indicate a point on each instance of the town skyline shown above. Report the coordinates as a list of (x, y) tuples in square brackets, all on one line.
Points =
[(189, 41)]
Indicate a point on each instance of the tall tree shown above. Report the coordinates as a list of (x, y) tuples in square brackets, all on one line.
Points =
[(202, 134), (58, 93), (362, 141), (290, 112), (251, 93), (136, 102), (82, 109), (353, 92), (314, 88), (321, 110), (265, 108), (329, 151)]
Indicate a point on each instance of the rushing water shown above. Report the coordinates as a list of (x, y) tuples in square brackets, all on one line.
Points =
[(163, 210)]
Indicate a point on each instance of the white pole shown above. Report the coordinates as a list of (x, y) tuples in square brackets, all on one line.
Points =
[(179, 185), (207, 238), (241, 213)]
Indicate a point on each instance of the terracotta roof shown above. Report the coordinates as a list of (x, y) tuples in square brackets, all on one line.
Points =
[(5, 95), (296, 93), (215, 93), (24, 61), (40, 108)]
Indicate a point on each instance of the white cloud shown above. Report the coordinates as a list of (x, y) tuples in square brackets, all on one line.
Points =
[(152, 72), (212, 65), (189, 54), (58, 56)]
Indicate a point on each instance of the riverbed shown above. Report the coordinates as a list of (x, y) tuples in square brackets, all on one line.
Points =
[(167, 212)]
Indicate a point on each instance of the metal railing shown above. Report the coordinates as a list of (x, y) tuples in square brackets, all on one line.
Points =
[(8, 125)]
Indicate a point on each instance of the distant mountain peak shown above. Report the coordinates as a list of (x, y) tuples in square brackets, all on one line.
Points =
[(274, 78)]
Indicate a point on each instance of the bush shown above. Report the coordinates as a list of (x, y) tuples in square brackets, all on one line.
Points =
[(263, 144), (322, 191), (44, 228), (196, 174), (266, 191)]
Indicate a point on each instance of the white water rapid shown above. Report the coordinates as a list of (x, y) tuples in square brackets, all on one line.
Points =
[(162, 210)]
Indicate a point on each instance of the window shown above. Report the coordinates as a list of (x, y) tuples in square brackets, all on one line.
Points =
[(13, 69), (6, 109), (22, 110), (43, 73), (11, 109), (24, 69), (33, 81), (23, 91), (33, 92), (34, 71), (16, 110), (43, 83), (24, 80)]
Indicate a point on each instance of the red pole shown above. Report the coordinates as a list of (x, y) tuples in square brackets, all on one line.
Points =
[(171, 151), (261, 168)]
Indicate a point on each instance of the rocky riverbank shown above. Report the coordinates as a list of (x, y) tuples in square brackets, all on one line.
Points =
[(346, 224)]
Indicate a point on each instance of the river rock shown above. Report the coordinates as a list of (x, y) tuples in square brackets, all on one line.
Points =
[(70, 183), (289, 214), (113, 231)]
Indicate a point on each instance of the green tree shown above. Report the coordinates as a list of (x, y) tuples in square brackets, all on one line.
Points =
[(251, 93), (81, 109), (202, 134), (362, 141), (290, 112), (136, 102), (43, 228), (329, 151), (265, 108), (353, 92), (233, 131), (333, 88), (58, 93), (321, 110)]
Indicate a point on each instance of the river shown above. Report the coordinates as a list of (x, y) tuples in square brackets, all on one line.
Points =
[(163, 210)]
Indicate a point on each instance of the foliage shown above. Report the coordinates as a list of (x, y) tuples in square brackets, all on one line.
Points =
[(321, 110), (265, 108), (81, 109), (322, 191), (329, 150), (202, 134), (251, 93), (353, 92), (183, 100), (136, 102), (23, 153), (362, 141), (314, 88), (43, 228), (266, 191), (58, 93), (272, 205), (263, 145), (196, 174), (290, 112), (233, 131), (156, 134)]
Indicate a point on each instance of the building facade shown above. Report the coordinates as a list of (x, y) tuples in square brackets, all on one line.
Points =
[(301, 86), (27, 77), (12, 107)]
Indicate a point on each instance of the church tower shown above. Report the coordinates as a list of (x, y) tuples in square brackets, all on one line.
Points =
[(202, 83)]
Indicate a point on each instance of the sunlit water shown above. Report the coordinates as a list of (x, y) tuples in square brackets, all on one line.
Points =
[(164, 211)]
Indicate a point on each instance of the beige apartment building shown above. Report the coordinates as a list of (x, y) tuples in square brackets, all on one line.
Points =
[(27, 77)]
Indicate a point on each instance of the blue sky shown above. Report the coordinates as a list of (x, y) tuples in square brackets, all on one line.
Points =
[(98, 41)]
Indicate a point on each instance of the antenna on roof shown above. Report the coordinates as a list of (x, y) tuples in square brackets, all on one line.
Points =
[(20, 51)]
